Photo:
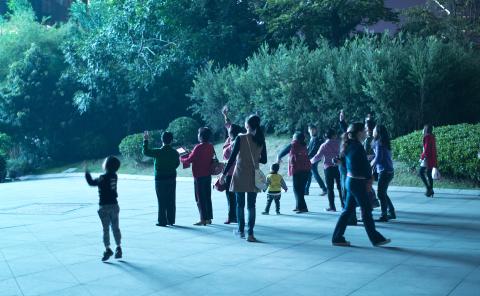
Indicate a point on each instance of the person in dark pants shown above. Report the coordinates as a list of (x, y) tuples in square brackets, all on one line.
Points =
[(340, 160), (233, 130), (359, 174), (313, 146), (166, 162), (428, 159), (249, 150), (275, 185), (383, 164), (328, 152), (201, 159), (299, 167)]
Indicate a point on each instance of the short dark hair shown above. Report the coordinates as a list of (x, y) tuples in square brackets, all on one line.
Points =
[(300, 137), (330, 133), (312, 126), (112, 164), (370, 123), (275, 167), (205, 134), (167, 138)]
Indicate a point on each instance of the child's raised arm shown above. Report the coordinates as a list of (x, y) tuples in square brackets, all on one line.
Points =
[(90, 180)]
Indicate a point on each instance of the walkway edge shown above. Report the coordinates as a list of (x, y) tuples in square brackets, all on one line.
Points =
[(469, 192)]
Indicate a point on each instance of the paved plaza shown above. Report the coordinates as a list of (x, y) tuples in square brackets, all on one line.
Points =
[(50, 244)]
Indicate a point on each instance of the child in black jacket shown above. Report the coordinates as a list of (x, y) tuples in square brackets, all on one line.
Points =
[(109, 209)]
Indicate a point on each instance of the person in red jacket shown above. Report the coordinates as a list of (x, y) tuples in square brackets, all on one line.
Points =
[(428, 159), (299, 168), (201, 159)]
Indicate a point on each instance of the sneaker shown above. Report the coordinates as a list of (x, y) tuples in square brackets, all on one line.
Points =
[(302, 211), (251, 239), (209, 221), (324, 192), (330, 210), (238, 233), (295, 210), (107, 254), (199, 223), (343, 243), (278, 213), (384, 242), (382, 218), (118, 253), (161, 225), (227, 222), (392, 216), (265, 213)]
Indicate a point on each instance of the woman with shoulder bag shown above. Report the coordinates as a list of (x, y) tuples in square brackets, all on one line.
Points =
[(249, 150), (428, 159)]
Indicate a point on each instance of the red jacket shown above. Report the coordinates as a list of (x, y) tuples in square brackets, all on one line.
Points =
[(429, 151), (299, 161), (201, 160)]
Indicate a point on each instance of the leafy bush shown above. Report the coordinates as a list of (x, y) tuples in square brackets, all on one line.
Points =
[(19, 166), (185, 130), (457, 148), (131, 146), (5, 144), (3, 168)]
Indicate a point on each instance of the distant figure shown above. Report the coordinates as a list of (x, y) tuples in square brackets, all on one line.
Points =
[(368, 142), (383, 165), (299, 167), (313, 146), (109, 209), (201, 160), (428, 159), (275, 184), (249, 150), (359, 174), (328, 152), (233, 130), (166, 162)]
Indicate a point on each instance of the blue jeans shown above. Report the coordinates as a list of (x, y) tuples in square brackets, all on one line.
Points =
[(316, 175), (357, 194), (251, 200)]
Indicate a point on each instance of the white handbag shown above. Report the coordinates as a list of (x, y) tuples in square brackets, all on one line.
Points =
[(436, 174), (260, 178)]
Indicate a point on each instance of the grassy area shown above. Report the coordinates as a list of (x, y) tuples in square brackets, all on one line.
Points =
[(403, 175)]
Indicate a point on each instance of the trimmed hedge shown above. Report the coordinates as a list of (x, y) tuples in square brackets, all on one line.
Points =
[(131, 146), (457, 150), (185, 130)]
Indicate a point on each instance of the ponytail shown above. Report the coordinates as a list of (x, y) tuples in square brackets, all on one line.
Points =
[(253, 122)]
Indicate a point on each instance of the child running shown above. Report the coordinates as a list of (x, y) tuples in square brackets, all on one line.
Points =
[(275, 184), (108, 211)]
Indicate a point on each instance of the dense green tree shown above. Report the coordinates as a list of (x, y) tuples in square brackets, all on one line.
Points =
[(334, 20)]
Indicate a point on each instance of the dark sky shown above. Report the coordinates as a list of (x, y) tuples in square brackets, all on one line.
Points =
[(396, 4)]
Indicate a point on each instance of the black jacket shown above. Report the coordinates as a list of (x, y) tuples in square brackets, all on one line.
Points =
[(314, 145), (107, 187)]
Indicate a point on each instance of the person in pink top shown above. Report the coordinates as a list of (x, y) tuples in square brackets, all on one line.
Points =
[(233, 131), (328, 152), (201, 159)]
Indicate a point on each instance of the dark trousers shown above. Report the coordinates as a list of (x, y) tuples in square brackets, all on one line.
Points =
[(251, 200), (357, 194), (384, 179), (203, 197), (299, 181), (165, 190), (270, 198), (428, 180), (231, 201), (316, 175), (332, 175)]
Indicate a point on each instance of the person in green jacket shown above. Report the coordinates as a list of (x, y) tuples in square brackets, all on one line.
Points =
[(166, 163)]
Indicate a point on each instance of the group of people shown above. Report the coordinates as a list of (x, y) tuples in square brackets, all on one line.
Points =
[(352, 164)]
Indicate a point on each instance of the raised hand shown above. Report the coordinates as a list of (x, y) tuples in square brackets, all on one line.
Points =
[(342, 115)]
